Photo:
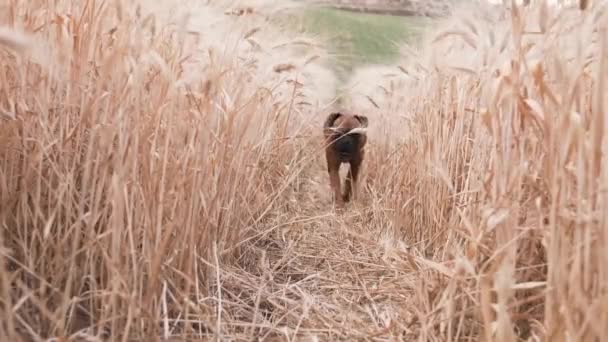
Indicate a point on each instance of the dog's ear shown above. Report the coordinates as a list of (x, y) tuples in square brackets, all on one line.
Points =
[(331, 118), (363, 120)]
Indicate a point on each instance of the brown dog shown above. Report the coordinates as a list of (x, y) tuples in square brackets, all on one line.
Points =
[(345, 138)]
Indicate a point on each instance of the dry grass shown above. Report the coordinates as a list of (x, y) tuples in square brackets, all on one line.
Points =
[(505, 147), (161, 181)]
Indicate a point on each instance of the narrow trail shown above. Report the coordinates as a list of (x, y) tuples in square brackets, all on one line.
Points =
[(316, 274)]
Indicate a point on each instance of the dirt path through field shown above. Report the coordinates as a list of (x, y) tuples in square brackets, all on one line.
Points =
[(315, 274)]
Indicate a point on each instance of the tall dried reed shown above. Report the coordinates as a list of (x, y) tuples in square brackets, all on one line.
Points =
[(137, 154), (501, 183)]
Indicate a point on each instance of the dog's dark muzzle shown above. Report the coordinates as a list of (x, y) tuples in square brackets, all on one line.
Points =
[(346, 146)]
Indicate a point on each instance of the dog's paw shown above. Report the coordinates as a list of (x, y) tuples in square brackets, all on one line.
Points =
[(338, 206)]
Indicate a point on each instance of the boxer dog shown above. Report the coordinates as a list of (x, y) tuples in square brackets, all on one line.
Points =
[(345, 137)]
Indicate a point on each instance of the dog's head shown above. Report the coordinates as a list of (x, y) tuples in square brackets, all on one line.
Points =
[(340, 123)]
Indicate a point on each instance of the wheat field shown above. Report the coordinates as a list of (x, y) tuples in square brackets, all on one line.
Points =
[(162, 177)]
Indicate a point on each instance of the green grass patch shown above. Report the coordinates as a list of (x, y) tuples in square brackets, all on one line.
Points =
[(360, 38), (355, 38)]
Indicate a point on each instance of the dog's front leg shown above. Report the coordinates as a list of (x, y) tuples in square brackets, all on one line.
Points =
[(348, 186), (352, 181), (334, 180), (333, 168)]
